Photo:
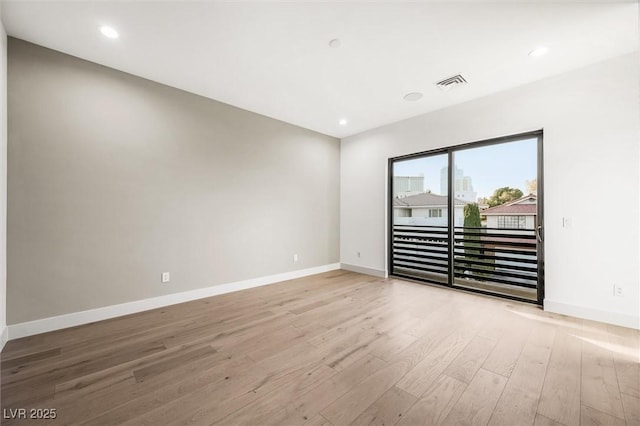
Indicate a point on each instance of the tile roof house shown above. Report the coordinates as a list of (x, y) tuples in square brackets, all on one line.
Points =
[(425, 199), (517, 214), (426, 209)]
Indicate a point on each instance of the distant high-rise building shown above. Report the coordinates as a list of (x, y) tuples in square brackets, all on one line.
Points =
[(403, 186), (463, 185)]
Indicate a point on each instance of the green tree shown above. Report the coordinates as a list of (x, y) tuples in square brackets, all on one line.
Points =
[(472, 244), (472, 216), (503, 195), (472, 239)]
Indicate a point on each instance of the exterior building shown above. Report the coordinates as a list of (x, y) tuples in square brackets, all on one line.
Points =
[(404, 186), (463, 185), (515, 222), (518, 214), (426, 209)]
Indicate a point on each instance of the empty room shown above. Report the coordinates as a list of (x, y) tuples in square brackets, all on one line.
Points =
[(320, 213)]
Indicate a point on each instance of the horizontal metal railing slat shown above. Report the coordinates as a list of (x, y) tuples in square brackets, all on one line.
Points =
[(491, 273), (420, 268), (506, 243), (529, 236), (442, 263), (501, 281), (529, 259), (498, 265)]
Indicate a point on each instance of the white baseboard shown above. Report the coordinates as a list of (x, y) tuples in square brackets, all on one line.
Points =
[(16, 331), (4, 336), (364, 270), (616, 318)]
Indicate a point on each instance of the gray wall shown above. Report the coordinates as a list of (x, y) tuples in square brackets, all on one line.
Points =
[(114, 179)]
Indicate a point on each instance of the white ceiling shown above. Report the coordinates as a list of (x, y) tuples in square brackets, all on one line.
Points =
[(274, 58)]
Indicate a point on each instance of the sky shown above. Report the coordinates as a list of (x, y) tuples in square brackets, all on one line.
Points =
[(490, 167)]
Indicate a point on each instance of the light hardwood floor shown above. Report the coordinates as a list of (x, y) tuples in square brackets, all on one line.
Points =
[(332, 349)]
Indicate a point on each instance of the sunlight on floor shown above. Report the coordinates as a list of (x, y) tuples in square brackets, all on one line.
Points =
[(627, 352), (547, 320)]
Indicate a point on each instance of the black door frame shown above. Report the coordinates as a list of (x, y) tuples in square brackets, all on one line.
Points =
[(449, 151)]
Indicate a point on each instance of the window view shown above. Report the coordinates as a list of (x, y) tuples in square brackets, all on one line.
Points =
[(496, 248), (519, 222), (420, 219), (493, 224)]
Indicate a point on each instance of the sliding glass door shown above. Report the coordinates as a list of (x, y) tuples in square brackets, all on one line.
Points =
[(420, 218), (471, 217)]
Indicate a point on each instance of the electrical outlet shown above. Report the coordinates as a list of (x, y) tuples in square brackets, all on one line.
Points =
[(566, 222), (166, 277), (617, 291), (295, 257), (358, 253)]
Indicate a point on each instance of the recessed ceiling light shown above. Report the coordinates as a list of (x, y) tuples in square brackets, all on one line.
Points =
[(335, 43), (342, 122), (538, 51), (109, 32), (413, 96)]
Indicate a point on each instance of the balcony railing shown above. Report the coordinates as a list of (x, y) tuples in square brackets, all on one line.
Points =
[(421, 249), (481, 255)]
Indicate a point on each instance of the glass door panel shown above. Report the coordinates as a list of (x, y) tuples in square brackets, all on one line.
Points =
[(496, 218), (420, 218)]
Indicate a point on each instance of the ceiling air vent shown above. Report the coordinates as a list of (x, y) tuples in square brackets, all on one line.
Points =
[(451, 82)]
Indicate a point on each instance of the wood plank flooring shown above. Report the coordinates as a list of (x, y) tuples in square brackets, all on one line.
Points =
[(332, 349)]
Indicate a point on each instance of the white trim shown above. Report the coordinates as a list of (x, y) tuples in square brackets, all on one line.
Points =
[(4, 337), (616, 318), (15, 331), (364, 270)]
